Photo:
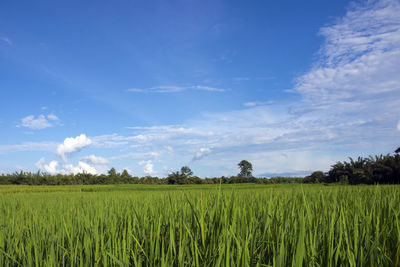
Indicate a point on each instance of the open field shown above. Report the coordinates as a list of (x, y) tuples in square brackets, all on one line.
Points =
[(200, 225)]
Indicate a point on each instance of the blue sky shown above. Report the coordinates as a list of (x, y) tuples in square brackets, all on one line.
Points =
[(150, 86)]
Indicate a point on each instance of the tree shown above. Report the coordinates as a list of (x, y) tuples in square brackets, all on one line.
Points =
[(186, 171), (180, 177), (315, 177), (125, 174), (245, 169), (174, 178), (112, 172), (397, 150)]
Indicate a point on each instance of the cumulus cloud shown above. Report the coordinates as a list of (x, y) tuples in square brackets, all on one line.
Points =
[(95, 160), (81, 167), (52, 167), (148, 167), (175, 89), (39, 122), (49, 168), (72, 145)]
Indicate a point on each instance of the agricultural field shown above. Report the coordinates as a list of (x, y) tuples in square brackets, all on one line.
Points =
[(200, 225)]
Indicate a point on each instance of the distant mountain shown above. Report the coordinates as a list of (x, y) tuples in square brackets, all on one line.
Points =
[(285, 174)]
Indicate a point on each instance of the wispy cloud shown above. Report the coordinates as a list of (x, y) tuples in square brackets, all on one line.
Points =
[(39, 122), (29, 146), (240, 79), (350, 102), (360, 57), (201, 153), (170, 149), (95, 160), (6, 40), (258, 103), (175, 89)]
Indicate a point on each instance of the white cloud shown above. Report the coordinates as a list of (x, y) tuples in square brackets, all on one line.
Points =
[(82, 167), (35, 123), (170, 149), (6, 40), (138, 155), (201, 153), (148, 167), (52, 117), (95, 160), (165, 132), (360, 57), (350, 104), (239, 79), (49, 168), (258, 103), (71, 145), (207, 88), (175, 89), (41, 122), (29, 146)]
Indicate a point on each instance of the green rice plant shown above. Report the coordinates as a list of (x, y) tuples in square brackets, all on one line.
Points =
[(202, 225)]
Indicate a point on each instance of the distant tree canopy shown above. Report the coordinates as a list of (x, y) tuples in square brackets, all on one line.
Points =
[(245, 168), (315, 177), (112, 172), (373, 170), (383, 169), (186, 171), (180, 177)]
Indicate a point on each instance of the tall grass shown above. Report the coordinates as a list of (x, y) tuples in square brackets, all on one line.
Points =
[(290, 225)]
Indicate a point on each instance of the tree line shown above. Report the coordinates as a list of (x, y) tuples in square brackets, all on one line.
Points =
[(184, 176), (40, 178), (382, 169)]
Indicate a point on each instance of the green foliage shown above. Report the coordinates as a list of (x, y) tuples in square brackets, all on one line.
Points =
[(183, 177), (28, 178), (112, 172), (373, 170), (229, 225), (245, 169), (315, 177), (186, 171)]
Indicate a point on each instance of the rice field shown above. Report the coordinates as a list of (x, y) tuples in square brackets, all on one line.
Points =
[(200, 225)]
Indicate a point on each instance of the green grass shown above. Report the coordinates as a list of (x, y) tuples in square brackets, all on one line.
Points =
[(200, 225)]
